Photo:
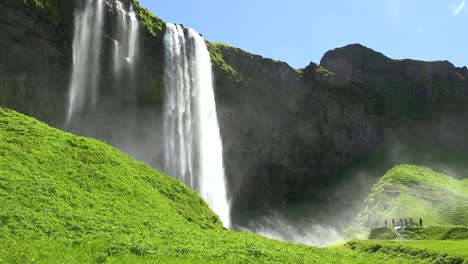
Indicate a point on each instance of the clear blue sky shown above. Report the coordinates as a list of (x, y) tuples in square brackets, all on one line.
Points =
[(300, 31)]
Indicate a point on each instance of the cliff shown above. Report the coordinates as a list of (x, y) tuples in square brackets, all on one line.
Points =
[(283, 129)]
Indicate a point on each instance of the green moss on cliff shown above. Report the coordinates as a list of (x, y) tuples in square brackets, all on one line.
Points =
[(57, 11), (406, 100), (153, 91), (20, 94), (217, 59), (148, 20), (325, 73), (54, 10), (237, 69)]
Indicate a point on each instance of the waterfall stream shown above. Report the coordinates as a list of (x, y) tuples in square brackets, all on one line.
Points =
[(86, 53), (193, 147), (87, 48)]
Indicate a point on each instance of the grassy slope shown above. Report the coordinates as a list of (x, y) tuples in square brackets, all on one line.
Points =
[(436, 233), (71, 199), (412, 191), (430, 251)]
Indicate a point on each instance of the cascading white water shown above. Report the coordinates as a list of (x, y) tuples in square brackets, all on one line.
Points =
[(122, 30), (116, 57), (122, 15), (86, 55), (132, 36), (127, 34), (193, 147)]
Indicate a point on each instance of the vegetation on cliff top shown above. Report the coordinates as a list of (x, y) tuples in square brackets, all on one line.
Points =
[(418, 192), (217, 58), (57, 11), (53, 10), (244, 70), (148, 20)]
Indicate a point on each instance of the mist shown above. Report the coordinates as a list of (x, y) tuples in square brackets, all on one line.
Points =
[(302, 231)]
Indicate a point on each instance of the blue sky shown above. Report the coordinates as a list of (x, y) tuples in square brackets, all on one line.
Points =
[(300, 31)]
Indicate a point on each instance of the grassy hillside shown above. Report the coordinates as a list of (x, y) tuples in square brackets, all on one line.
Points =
[(412, 191), (76, 200), (436, 233), (420, 251)]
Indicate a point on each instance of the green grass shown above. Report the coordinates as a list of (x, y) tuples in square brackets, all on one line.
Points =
[(70, 199), (417, 192), (430, 251), (437, 233)]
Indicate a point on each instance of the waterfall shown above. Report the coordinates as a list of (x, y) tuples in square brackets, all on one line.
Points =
[(122, 28), (127, 34), (116, 58), (132, 36), (86, 53), (193, 147)]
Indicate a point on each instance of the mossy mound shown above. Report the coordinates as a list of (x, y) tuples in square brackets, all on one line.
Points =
[(417, 192)]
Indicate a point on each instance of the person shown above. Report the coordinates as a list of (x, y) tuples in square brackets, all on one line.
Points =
[(411, 221), (393, 221), (420, 221), (401, 222), (406, 222), (385, 222)]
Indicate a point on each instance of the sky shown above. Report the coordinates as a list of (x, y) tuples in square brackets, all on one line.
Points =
[(301, 31)]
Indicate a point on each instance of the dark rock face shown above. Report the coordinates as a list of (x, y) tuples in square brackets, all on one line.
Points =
[(401, 89), (283, 129), (35, 63)]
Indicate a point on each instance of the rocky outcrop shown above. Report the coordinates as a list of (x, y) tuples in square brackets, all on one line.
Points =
[(283, 129), (401, 89)]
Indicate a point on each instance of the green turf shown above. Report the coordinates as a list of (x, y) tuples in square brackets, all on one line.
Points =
[(436, 233), (417, 192), (430, 251)]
